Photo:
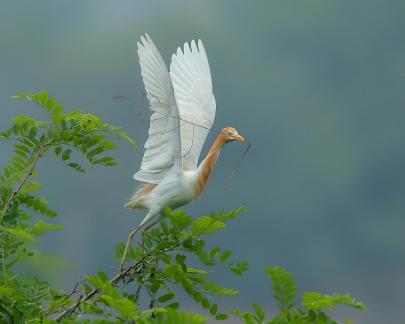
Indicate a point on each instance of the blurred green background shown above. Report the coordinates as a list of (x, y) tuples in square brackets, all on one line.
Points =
[(317, 86)]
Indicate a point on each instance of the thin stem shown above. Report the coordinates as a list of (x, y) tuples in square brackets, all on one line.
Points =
[(138, 290), (95, 291), (20, 185), (4, 263)]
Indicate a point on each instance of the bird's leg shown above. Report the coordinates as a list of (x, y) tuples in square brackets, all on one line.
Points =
[(143, 242), (143, 234), (130, 237), (151, 215)]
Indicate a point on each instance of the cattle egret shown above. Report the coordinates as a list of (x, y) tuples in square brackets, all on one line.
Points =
[(183, 111)]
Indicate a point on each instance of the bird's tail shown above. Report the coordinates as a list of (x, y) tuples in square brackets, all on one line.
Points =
[(135, 200)]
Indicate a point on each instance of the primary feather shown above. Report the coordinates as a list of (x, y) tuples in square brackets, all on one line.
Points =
[(191, 78), (161, 146)]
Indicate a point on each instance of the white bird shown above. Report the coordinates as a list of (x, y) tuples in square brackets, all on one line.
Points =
[(183, 107)]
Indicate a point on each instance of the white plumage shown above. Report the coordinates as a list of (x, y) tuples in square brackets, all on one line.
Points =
[(183, 111), (185, 93)]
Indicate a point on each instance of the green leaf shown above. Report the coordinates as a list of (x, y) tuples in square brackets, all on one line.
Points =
[(103, 276), (56, 111), (128, 138), (33, 132), (43, 97), (239, 267), (284, 287), (58, 150), (206, 303), (206, 225), (19, 233), (221, 317), (225, 255), (316, 301), (175, 305), (63, 124), (96, 281), (179, 218), (40, 227), (124, 306), (50, 103), (104, 160), (66, 154), (259, 311), (194, 270), (22, 148), (214, 252), (31, 186), (96, 151), (222, 291), (165, 298), (232, 214), (23, 119), (213, 309), (76, 166)]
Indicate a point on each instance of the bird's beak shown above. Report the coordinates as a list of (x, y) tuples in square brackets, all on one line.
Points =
[(239, 138)]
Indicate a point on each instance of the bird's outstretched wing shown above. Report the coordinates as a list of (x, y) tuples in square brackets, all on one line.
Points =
[(163, 147), (191, 78)]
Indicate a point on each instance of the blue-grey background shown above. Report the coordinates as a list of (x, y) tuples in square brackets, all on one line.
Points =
[(317, 86)]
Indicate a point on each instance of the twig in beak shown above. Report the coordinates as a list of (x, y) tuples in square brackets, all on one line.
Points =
[(231, 174)]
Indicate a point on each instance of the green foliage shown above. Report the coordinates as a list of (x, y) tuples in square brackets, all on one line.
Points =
[(60, 135), (285, 294), (316, 301), (162, 264), (152, 288), (284, 288), (158, 272)]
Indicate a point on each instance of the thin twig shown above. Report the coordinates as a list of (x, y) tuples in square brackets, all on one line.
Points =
[(11, 198), (75, 287), (95, 291), (4, 263), (231, 174), (138, 290)]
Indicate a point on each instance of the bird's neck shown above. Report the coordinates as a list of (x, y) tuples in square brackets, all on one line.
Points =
[(207, 165)]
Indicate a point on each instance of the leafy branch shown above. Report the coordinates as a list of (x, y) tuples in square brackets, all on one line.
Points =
[(154, 268), (20, 185), (148, 290), (285, 293)]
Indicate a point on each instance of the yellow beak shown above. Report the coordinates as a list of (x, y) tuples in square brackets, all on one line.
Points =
[(239, 138)]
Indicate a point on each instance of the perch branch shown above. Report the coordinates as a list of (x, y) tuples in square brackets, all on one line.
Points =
[(69, 311), (126, 272)]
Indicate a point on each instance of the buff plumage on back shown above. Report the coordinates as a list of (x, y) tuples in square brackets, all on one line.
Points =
[(181, 102)]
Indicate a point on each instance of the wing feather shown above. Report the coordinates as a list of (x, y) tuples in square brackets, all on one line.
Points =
[(191, 78), (163, 147)]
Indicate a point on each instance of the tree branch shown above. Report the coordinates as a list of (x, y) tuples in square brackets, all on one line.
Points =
[(125, 273), (20, 185), (95, 291)]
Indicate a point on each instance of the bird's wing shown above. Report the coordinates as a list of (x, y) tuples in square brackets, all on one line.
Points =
[(163, 147), (191, 78)]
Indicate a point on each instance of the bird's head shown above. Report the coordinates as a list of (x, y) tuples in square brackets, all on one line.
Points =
[(230, 134)]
